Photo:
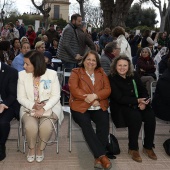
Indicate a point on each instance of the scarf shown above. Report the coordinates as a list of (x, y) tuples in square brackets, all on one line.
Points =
[(110, 56), (146, 58)]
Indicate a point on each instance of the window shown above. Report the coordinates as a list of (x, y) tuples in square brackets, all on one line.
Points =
[(56, 11)]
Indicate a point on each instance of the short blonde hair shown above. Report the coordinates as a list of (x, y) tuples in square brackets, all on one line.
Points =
[(39, 44)]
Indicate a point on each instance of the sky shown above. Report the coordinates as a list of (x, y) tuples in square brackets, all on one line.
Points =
[(26, 6)]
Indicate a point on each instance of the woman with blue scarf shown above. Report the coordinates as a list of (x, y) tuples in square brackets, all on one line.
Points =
[(38, 93)]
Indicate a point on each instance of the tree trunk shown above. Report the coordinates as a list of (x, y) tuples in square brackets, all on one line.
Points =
[(114, 12), (82, 11), (162, 24)]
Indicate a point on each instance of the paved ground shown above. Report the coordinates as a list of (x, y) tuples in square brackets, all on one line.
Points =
[(80, 158)]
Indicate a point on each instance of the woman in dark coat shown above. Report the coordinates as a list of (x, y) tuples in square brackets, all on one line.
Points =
[(161, 99), (129, 107)]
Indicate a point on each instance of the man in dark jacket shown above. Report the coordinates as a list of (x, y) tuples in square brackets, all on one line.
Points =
[(20, 29), (84, 39), (52, 33), (68, 48), (9, 107)]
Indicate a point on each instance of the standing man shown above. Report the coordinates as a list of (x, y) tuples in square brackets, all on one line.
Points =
[(51, 33), (9, 107), (20, 29), (68, 49), (85, 42)]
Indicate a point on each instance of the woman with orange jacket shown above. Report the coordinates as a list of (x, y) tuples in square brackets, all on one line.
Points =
[(90, 89)]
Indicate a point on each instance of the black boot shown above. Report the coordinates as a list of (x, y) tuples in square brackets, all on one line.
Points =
[(2, 152)]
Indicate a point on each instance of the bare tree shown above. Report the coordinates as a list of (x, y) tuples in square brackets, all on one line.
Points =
[(6, 8), (81, 4), (93, 15), (115, 12), (163, 10), (44, 8)]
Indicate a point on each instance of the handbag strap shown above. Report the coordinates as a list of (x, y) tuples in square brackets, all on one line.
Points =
[(135, 88)]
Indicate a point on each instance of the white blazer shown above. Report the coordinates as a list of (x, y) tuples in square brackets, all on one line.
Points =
[(49, 89)]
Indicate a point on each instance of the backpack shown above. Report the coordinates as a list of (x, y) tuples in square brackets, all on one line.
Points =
[(166, 146), (113, 145)]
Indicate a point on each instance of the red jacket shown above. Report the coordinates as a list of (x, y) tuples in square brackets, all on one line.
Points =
[(31, 37), (80, 84)]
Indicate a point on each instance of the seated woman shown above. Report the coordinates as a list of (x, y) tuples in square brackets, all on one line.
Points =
[(129, 107), (40, 46), (53, 47), (146, 67), (161, 99), (38, 91), (89, 89)]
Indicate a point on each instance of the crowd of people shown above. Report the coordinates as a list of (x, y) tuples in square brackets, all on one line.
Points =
[(109, 69)]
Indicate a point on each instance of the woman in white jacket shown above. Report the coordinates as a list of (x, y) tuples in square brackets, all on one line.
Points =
[(38, 92)]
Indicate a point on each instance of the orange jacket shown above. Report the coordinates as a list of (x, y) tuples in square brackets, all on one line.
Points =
[(80, 84)]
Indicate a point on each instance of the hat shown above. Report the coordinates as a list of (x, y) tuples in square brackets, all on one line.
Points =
[(48, 55)]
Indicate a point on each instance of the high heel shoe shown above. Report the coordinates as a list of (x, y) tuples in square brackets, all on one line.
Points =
[(39, 158), (30, 158)]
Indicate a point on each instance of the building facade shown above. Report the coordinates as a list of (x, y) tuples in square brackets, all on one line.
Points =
[(60, 9)]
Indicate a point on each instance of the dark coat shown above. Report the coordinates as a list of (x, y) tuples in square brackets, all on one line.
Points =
[(147, 66), (8, 88), (161, 99), (123, 97), (84, 42), (163, 64), (134, 44)]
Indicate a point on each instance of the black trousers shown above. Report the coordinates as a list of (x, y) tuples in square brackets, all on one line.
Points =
[(96, 141), (134, 119), (5, 119)]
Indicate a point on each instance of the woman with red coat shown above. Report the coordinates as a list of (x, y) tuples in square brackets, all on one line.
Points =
[(31, 35)]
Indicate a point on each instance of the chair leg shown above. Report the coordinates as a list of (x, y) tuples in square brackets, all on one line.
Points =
[(142, 134), (18, 141), (70, 132), (57, 137)]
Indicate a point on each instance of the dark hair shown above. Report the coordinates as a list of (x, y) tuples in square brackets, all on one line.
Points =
[(4, 45), (118, 31), (113, 70), (110, 47), (146, 33), (75, 16), (153, 35), (52, 42), (13, 41), (37, 60), (96, 56), (11, 24)]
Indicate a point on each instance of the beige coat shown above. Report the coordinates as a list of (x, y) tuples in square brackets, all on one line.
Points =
[(25, 93)]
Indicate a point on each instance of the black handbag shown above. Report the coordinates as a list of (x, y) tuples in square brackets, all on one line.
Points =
[(113, 145), (166, 146)]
